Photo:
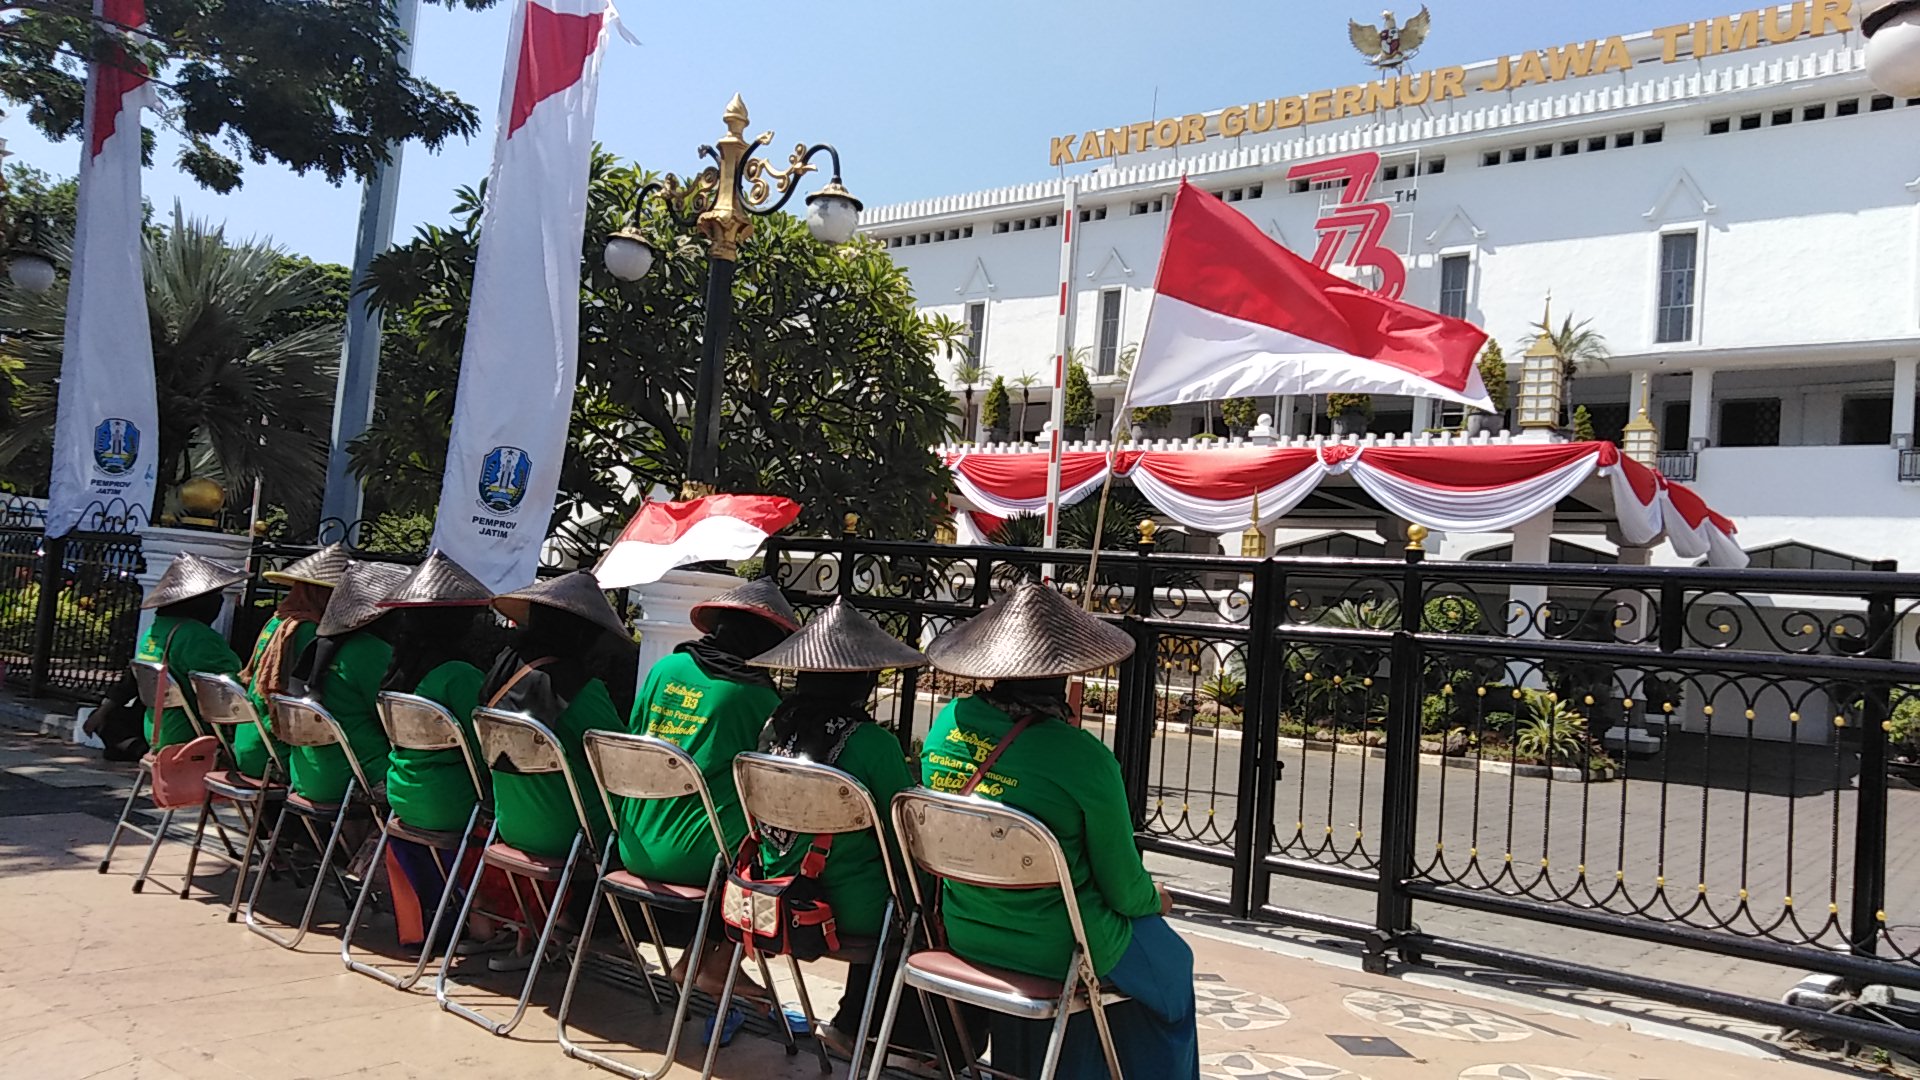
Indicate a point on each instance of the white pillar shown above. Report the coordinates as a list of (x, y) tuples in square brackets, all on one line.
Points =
[(1422, 414), (665, 606), (1700, 411), (1533, 544), (1283, 420), (159, 546), (1904, 388)]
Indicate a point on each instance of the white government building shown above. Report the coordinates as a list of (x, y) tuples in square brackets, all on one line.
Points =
[(1730, 203)]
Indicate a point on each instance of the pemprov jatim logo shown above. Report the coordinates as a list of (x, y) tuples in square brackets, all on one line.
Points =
[(116, 446), (503, 478)]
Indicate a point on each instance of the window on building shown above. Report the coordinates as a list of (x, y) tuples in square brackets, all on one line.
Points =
[(1849, 107), (1255, 191), (976, 330), (1814, 112), (1750, 422), (1598, 142), (1879, 103), (1571, 146), (1454, 273), (1866, 421), (1676, 422), (1720, 126), (1624, 139), (1434, 166), (1782, 116), (1653, 135), (1107, 358), (1544, 150), (1516, 155), (1679, 261), (1491, 157), (1750, 122)]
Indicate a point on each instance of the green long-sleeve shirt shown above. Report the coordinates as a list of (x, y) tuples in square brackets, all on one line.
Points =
[(249, 749), (347, 688), (535, 812), (713, 720), (855, 879), (1068, 779), (189, 646), (431, 789)]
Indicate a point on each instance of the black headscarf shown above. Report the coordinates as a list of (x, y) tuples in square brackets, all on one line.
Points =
[(564, 640), (1021, 698), (814, 723), (736, 637), (428, 637)]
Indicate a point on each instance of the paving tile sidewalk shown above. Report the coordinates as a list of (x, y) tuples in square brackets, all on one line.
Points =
[(97, 982)]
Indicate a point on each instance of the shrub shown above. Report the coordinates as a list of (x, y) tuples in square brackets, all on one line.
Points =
[(1153, 415), (1240, 414), (1452, 615), (1904, 727), (1436, 714), (1224, 691), (1080, 410), (1551, 731), (1340, 404), (1582, 424), (1493, 372), (994, 411)]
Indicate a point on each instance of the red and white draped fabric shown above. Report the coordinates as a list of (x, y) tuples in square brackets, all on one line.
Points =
[(1452, 488), (517, 371), (106, 441)]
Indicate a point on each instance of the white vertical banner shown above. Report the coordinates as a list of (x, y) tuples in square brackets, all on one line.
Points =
[(106, 440), (1062, 356), (517, 370)]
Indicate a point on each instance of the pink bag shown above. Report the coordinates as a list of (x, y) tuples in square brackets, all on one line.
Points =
[(180, 771)]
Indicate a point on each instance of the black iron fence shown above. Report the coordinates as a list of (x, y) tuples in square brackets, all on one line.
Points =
[(69, 608), (1599, 774)]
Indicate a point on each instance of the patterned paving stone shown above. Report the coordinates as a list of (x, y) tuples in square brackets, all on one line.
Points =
[(1511, 1071), (1229, 1008), (1243, 1066), (1444, 1020)]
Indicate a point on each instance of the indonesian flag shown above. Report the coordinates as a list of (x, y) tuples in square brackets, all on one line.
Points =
[(666, 535), (106, 442), (1236, 314), (517, 371)]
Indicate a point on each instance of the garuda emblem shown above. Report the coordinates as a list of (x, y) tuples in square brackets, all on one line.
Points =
[(1390, 45)]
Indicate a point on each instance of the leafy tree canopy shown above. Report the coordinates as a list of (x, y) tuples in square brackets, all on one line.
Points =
[(832, 395), (313, 86), (1080, 410)]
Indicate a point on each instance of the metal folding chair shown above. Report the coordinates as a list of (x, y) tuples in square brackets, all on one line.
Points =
[(973, 841), (807, 798), (645, 767), (303, 722), (224, 705), (417, 723), (517, 744), (159, 691)]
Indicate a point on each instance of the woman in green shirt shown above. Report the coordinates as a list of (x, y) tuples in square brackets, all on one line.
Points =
[(432, 789), (838, 658), (309, 583), (709, 701), (546, 672), (342, 670), (185, 602), (1028, 644)]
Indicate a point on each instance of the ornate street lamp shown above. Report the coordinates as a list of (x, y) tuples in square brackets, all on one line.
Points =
[(744, 187), (1542, 381), (1641, 440), (1892, 28), (27, 265)]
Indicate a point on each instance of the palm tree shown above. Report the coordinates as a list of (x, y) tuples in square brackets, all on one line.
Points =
[(1026, 382), (969, 373), (240, 397)]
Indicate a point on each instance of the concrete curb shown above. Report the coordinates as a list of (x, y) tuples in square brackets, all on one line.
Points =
[(37, 715)]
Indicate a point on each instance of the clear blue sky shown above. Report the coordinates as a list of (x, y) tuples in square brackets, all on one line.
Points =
[(921, 98)]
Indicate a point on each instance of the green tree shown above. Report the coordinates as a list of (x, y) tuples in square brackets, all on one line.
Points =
[(312, 86), (1341, 404), (1582, 424), (831, 393), (993, 411), (1152, 415), (1026, 381), (1240, 414), (1080, 410), (969, 373), (1580, 346), (244, 394)]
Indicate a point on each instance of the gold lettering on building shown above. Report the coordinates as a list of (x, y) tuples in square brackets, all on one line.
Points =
[(1738, 32)]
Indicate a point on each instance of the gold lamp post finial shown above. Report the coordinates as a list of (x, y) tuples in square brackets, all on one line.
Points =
[(1417, 537), (1253, 542)]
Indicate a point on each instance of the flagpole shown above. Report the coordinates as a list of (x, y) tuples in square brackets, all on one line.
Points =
[(1113, 461), (1063, 350)]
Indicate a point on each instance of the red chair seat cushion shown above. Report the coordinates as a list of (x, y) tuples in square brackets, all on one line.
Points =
[(234, 784), (300, 804), (525, 863), (956, 968), (657, 891)]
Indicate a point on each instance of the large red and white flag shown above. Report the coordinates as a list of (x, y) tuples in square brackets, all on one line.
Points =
[(106, 441), (1235, 314), (517, 370), (666, 535)]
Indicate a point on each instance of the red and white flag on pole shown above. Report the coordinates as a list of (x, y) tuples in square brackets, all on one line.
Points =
[(517, 371), (1235, 314), (667, 535), (106, 440)]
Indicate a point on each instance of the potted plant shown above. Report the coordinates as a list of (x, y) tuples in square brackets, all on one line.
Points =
[(1240, 414), (1150, 416), (1493, 372), (1349, 413), (995, 410), (1080, 410)]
